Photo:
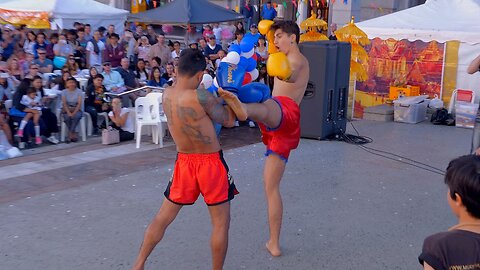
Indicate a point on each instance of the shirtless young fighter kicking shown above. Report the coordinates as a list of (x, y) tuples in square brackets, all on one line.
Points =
[(279, 117), (200, 167)]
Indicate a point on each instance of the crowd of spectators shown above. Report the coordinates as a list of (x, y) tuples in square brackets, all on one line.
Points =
[(111, 62)]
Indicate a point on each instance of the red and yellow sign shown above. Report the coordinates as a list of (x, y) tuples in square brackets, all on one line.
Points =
[(399, 63), (31, 19)]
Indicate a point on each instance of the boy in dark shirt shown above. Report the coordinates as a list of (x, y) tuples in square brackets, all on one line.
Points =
[(459, 248)]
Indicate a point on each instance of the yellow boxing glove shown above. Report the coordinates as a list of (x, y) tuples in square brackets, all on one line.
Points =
[(272, 48), (278, 66), (264, 26), (271, 42)]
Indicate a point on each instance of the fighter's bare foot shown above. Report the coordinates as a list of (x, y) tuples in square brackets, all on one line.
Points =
[(138, 266), (273, 249), (232, 100)]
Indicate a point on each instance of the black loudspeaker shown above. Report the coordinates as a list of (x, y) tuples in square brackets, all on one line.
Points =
[(324, 105)]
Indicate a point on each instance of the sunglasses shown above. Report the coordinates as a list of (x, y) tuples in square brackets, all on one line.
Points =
[(106, 65), (42, 53)]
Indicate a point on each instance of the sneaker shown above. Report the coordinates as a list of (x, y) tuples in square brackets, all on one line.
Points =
[(20, 133), (251, 124), (53, 140), (96, 133), (236, 124), (38, 140), (14, 152)]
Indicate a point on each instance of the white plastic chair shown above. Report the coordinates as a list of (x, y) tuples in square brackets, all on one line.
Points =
[(83, 123), (147, 113), (83, 130), (8, 104), (158, 97), (90, 122), (163, 118)]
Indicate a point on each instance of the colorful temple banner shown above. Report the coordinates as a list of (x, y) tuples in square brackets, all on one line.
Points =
[(399, 63)]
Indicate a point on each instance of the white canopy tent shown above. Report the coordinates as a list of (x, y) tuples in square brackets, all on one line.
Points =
[(64, 13), (440, 20)]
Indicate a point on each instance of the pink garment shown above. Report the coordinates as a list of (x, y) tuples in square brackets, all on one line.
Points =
[(207, 33)]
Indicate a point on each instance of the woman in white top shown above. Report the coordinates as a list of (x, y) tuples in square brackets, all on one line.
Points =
[(29, 44), (63, 48), (262, 50), (141, 72), (238, 38), (95, 48), (176, 50), (143, 48), (121, 120)]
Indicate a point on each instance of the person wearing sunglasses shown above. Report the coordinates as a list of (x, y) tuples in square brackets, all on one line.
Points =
[(45, 65), (32, 71), (72, 65)]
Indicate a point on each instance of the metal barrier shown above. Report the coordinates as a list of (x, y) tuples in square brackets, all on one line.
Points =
[(154, 89)]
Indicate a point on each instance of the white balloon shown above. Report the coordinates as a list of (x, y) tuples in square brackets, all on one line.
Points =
[(207, 81), (248, 54), (215, 83), (254, 73), (232, 58)]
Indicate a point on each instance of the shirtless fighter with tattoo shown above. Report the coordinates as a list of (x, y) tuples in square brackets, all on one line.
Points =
[(200, 167)]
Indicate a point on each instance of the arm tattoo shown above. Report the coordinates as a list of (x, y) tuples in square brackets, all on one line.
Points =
[(188, 115), (213, 107)]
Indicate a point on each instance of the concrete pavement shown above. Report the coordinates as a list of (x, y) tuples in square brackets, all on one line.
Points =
[(344, 209)]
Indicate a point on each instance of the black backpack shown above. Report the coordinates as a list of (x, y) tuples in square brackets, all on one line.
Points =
[(442, 117)]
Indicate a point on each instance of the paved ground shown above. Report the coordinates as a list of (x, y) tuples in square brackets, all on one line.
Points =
[(344, 208), (54, 168)]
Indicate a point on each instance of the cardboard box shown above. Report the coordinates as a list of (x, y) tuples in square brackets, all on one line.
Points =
[(409, 91)]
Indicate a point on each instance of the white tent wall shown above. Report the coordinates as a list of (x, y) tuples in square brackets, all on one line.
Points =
[(466, 54), (440, 20), (88, 11)]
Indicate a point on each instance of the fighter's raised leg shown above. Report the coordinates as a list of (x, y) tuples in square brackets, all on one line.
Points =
[(269, 112)]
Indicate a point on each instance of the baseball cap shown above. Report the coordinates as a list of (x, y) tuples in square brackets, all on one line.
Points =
[(9, 27)]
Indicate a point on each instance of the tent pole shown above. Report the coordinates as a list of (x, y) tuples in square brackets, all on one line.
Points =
[(186, 37), (330, 17)]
